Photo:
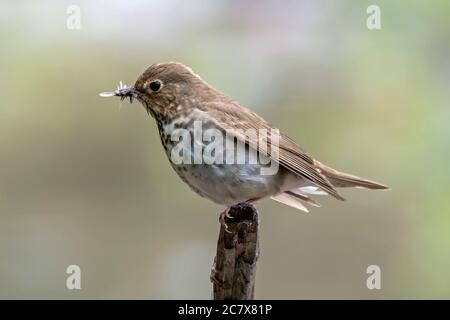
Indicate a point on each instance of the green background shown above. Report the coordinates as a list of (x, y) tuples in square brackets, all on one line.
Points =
[(83, 181)]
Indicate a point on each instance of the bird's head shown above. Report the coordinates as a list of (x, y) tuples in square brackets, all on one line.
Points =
[(167, 90), (165, 87)]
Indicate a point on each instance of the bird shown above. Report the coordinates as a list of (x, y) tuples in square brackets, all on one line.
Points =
[(177, 98)]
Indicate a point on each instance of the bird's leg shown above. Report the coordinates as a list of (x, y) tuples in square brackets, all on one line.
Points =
[(251, 201)]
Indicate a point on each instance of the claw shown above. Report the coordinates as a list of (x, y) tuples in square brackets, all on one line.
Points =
[(222, 221), (227, 214)]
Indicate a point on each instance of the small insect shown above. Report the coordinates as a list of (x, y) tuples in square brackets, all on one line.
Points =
[(123, 91)]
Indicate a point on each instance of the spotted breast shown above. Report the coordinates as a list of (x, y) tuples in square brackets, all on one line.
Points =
[(206, 169)]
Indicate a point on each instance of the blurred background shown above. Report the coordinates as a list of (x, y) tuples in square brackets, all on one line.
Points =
[(85, 181)]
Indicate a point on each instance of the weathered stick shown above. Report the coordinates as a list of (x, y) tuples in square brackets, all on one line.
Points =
[(234, 269)]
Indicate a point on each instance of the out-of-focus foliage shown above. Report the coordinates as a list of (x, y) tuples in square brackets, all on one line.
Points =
[(83, 181)]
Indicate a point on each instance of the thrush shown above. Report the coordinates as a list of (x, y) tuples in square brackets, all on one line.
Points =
[(177, 99)]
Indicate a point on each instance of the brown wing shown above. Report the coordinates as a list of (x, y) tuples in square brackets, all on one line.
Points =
[(231, 116)]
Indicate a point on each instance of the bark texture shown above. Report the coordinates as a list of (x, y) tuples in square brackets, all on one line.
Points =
[(234, 269)]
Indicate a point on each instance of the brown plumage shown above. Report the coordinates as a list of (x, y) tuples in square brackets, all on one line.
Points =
[(176, 97)]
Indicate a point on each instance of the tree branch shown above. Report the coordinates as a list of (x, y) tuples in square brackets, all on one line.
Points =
[(234, 269)]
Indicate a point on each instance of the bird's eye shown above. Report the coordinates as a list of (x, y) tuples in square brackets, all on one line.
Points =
[(155, 85)]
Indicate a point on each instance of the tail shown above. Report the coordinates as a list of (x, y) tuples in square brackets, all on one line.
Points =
[(295, 198), (345, 180)]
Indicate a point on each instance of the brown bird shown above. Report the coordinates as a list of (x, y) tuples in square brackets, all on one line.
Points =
[(178, 99)]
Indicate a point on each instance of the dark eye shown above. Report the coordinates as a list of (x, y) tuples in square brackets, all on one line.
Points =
[(155, 85)]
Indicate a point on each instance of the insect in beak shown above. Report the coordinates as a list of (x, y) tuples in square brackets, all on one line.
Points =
[(123, 91)]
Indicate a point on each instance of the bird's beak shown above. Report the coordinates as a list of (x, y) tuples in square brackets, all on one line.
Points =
[(130, 92), (123, 91)]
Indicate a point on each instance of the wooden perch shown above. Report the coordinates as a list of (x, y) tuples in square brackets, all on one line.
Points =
[(234, 269)]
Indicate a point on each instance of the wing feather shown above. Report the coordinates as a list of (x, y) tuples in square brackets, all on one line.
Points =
[(234, 119)]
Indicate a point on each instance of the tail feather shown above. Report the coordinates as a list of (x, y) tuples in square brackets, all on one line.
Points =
[(290, 201), (295, 197), (303, 197), (345, 180)]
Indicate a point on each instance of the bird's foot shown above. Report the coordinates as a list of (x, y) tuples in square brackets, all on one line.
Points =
[(238, 213)]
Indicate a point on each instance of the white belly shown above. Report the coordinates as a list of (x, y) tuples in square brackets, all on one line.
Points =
[(228, 184), (224, 182)]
